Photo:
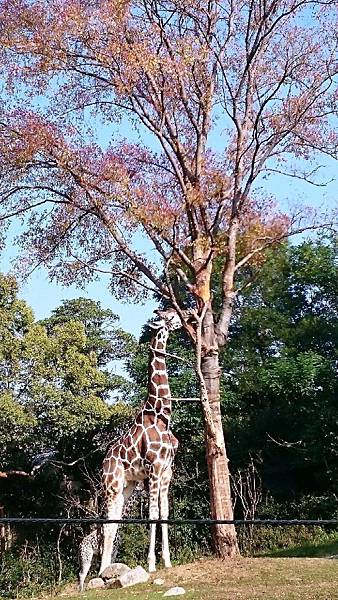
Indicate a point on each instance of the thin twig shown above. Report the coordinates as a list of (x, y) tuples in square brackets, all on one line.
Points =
[(177, 357), (283, 443)]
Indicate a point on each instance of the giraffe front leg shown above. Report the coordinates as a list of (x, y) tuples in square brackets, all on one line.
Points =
[(164, 507), (114, 511), (154, 490), (127, 494)]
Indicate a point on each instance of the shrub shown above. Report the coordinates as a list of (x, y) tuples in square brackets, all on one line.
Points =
[(32, 569)]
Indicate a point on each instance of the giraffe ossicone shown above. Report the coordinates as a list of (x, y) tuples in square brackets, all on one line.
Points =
[(146, 451)]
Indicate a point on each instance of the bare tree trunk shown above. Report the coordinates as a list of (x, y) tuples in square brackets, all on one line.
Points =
[(224, 536)]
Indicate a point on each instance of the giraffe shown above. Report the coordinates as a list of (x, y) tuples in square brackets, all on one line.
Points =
[(92, 543), (146, 451)]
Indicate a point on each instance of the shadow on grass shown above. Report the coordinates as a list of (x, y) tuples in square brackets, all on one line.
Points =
[(306, 550)]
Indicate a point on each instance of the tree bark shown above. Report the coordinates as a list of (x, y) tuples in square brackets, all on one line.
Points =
[(224, 536)]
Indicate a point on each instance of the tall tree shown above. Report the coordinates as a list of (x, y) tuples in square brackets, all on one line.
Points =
[(279, 396), (262, 71), (106, 341)]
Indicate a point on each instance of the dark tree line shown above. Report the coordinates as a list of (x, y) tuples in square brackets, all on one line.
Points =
[(58, 396)]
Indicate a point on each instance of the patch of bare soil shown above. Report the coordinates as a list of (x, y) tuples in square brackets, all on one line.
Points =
[(69, 589)]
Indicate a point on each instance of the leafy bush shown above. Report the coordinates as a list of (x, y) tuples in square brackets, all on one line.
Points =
[(134, 545), (297, 540), (28, 570)]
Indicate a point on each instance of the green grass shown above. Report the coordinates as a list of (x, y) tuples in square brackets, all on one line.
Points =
[(240, 579), (307, 551)]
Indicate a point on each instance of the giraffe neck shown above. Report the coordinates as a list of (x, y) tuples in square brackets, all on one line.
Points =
[(159, 397)]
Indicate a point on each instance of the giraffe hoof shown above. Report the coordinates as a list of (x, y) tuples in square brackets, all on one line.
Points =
[(151, 568)]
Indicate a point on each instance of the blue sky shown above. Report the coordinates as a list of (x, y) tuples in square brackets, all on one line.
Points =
[(44, 295)]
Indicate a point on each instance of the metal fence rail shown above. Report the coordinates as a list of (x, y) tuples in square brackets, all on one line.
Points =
[(93, 521)]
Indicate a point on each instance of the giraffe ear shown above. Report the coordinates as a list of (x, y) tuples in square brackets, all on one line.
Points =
[(156, 324), (189, 314)]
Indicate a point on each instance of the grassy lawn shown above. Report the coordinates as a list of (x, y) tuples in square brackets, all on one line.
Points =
[(240, 579)]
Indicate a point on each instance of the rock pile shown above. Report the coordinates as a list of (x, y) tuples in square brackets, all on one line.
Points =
[(119, 575)]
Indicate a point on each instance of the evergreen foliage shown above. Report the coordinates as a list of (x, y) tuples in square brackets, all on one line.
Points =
[(280, 396)]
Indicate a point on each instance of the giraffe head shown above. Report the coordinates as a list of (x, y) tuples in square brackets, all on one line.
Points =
[(169, 319)]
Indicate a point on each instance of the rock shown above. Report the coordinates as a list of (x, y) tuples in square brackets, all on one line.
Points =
[(132, 577), (158, 581), (175, 591), (114, 571), (95, 583), (112, 584)]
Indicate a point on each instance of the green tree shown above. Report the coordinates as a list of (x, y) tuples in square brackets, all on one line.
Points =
[(54, 392), (281, 389), (56, 416), (103, 335), (16, 320)]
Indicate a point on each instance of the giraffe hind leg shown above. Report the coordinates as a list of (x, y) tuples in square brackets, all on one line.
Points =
[(117, 543), (128, 493)]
